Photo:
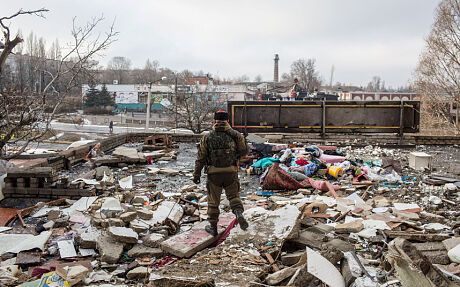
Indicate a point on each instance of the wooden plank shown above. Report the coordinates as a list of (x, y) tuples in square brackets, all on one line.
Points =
[(417, 236)]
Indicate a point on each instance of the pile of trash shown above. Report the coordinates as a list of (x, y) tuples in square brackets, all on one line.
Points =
[(323, 215)]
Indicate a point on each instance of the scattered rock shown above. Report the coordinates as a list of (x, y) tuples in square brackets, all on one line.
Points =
[(188, 188), (168, 171), (109, 249), (138, 273), (144, 214), (354, 226), (116, 222), (128, 216), (153, 240), (142, 250), (123, 234), (111, 207), (454, 254), (139, 226)]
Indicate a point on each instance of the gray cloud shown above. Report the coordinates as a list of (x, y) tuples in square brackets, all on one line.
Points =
[(361, 38)]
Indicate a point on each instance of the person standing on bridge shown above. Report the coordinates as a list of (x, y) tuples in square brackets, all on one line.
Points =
[(219, 153)]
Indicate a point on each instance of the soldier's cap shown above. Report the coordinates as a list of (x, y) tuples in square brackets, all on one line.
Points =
[(221, 115)]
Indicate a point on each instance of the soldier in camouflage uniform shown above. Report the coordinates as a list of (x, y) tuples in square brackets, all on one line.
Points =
[(219, 152)]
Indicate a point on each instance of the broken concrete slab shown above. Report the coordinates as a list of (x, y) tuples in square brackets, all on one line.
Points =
[(309, 238), (138, 273), (339, 244), (323, 269), (277, 224), (375, 224), (15, 243), (434, 251), (66, 249), (290, 259), (28, 258), (109, 249), (167, 209), (168, 171), (117, 222), (48, 225), (111, 207), (140, 200), (139, 226), (416, 236), (101, 170), (126, 182), (454, 254), (153, 240), (129, 154), (144, 214), (157, 280), (412, 267), (451, 242), (354, 226), (153, 170), (142, 250), (72, 274), (196, 239), (188, 188), (123, 234), (279, 276), (88, 239), (128, 216)]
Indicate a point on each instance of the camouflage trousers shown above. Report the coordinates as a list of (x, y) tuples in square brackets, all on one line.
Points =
[(230, 183)]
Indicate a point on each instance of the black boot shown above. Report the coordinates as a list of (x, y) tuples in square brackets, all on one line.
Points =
[(211, 229), (241, 220)]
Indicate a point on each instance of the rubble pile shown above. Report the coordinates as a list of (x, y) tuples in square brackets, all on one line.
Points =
[(321, 215)]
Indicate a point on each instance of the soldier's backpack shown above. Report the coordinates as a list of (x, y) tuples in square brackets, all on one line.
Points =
[(221, 149)]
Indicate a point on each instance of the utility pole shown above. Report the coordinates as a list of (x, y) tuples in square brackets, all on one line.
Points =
[(332, 76), (147, 116), (149, 93), (175, 99)]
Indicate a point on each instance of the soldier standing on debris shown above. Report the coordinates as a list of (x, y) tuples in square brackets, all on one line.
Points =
[(220, 151)]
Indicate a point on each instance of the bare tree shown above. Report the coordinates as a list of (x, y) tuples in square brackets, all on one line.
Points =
[(241, 79), (376, 85), (438, 71), (195, 106), (258, 79), (119, 66), (146, 75), (305, 71), (26, 114)]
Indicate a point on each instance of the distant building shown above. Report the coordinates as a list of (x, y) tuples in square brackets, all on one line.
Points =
[(134, 97), (198, 80), (378, 96)]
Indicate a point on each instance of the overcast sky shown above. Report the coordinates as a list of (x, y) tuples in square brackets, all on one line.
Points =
[(229, 38)]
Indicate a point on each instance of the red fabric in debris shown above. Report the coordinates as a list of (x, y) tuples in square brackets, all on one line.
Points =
[(226, 233), (167, 260), (278, 179), (39, 271), (301, 161)]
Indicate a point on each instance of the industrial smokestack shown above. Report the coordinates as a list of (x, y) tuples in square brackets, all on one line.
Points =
[(275, 73)]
